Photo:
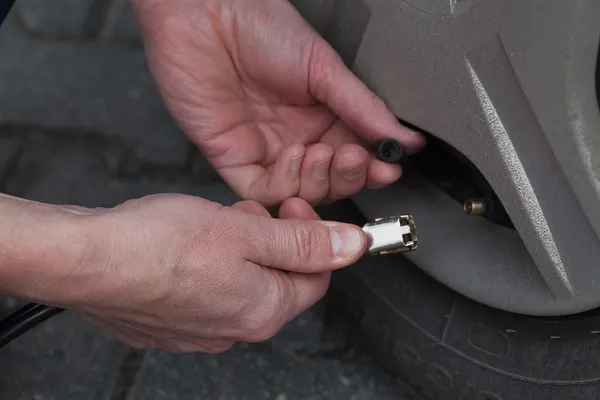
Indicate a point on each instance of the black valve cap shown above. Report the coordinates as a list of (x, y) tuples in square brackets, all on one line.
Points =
[(390, 151)]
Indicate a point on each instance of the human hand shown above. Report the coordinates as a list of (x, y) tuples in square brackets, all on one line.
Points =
[(188, 275), (267, 100)]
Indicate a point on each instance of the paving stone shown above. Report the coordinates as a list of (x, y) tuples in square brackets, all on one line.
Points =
[(9, 304), (89, 87), (56, 18), (9, 149), (202, 169), (62, 359), (121, 25), (73, 169), (242, 374)]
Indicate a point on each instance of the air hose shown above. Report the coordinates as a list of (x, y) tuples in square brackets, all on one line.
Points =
[(32, 314), (24, 320), (5, 6)]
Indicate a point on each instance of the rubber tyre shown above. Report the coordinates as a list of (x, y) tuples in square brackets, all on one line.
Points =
[(449, 347)]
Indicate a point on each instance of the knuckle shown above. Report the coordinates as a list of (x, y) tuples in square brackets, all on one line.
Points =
[(323, 67), (305, 239), (309, 241)]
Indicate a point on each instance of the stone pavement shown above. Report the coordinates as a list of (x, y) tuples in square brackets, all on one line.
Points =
[(81, 123)]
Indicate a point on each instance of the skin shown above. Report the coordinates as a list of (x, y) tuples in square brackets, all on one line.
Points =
[(267, 100), (174, 272), (284, 122)]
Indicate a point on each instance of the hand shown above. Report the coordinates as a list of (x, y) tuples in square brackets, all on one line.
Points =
[(187, 275), (267, 100)]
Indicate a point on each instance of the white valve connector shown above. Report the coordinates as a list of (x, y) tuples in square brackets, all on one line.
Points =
[(391, 235)]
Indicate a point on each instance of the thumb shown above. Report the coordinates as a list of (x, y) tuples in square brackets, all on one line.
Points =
[(332, 83), (304, 246)]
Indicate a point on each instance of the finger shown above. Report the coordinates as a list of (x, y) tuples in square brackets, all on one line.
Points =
[(382, 174), (273, 185), (301, 291), (300, 246), (307, 124), (251, 207), (308, 290), (314, 177), (379, 174), (348, 172), (296, 208), (332, 83)]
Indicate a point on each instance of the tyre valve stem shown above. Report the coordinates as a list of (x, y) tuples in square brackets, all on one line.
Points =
[(476, 207), (391, 235)]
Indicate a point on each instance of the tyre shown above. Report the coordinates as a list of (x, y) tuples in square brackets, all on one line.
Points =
[(447, 346)]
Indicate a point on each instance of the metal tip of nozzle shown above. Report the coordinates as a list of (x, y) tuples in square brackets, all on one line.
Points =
[(390, 235)]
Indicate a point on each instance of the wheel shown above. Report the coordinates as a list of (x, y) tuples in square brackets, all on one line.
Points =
[(447, 346), (506, 91), (501, 305)]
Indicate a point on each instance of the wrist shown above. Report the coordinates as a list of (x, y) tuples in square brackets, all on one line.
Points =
[(41, 248)]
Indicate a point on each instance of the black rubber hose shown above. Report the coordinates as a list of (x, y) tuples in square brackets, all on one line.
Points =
[(5, 6), (32, 314), (24, 320)]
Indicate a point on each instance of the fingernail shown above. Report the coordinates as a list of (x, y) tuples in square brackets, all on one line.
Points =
[(345, 241), (354, 172), (295, 165), (321, 170)]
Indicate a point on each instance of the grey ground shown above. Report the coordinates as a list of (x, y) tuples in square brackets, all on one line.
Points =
[(80, 123)]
